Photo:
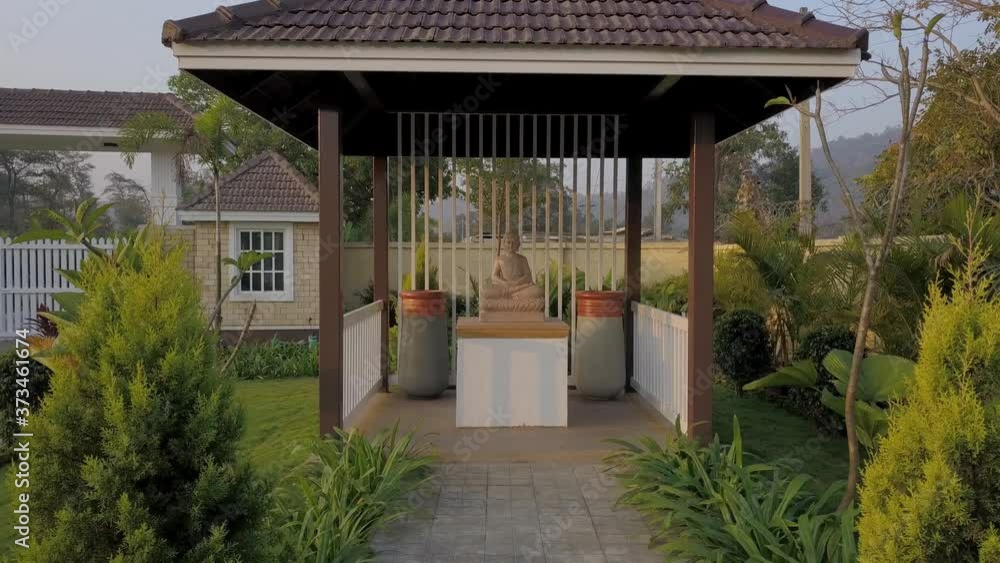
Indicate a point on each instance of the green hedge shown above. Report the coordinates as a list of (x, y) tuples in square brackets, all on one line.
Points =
[(742, 347), (276, 359)]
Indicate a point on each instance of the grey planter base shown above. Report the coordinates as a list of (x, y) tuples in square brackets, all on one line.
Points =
[(423, 356), (600, 357)]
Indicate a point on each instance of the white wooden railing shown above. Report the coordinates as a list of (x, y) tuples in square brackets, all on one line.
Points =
[(660, 361), (28, 277), (363, 348)]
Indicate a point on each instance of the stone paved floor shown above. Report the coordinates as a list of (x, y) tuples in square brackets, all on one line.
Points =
[(507, 513)]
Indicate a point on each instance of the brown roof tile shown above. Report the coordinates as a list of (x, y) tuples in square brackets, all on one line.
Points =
[(84, 108), (267, 182), (654, 23)]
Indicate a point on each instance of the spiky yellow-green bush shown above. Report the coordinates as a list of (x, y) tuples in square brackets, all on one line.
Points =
[(134, 449), (932, 492)]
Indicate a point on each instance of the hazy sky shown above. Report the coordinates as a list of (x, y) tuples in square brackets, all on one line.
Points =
[(115, 45)]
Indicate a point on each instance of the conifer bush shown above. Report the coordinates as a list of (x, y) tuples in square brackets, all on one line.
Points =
[(932, 492), (134, 453)]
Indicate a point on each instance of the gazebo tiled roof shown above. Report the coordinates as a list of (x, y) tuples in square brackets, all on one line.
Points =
[(85, 108), (657, 23), (265, 183)]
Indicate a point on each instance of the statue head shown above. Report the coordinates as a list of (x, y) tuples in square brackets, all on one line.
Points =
[(510, 243)]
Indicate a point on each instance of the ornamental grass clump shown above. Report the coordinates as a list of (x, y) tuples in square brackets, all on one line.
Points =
[(932, 493), (330, 507), (718, 503), (275, 359), (134, 449)]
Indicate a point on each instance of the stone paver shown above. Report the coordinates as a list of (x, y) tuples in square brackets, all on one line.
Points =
[(514, 513)]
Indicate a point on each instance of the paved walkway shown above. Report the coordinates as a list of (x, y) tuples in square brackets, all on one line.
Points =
[(507, 513)]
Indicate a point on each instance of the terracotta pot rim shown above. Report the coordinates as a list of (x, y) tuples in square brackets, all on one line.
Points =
[(422, 294), (600, 304), (597, 295)]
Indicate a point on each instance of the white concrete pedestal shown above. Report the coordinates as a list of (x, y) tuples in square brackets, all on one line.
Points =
[(512, 374)]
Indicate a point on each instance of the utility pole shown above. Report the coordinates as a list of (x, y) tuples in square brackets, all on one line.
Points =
[(658, 207), (805, 172)]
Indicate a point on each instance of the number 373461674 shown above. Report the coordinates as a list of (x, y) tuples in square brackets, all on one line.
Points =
[(22, 368)]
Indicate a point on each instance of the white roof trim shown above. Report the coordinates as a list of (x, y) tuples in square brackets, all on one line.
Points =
[(556, 59), (60, 137), (60, 131), (252, 216)]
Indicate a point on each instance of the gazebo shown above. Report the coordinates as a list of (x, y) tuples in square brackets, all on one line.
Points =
[(515, 79)]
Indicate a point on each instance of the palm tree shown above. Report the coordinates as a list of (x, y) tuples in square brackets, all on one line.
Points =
[(789, 273), (207, 140)]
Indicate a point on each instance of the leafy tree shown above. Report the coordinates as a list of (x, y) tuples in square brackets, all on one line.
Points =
[(783, 277), (251, 135), (18, 171), (131, 203), (64, 182), (136, 442), (512, 175), (764, 152), (207, 141), (955, 148), (910, 81)]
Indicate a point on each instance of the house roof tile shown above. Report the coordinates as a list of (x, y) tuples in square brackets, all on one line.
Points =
[(265, 183), (85, 108), (649, 23)]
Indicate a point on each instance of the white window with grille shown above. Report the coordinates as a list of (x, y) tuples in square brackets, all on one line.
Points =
[(270, 279)]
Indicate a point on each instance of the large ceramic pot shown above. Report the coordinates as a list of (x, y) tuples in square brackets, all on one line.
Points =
[(423, 343), (599, 347)]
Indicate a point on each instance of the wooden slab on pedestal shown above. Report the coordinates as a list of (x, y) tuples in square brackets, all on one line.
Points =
[(475, 328)]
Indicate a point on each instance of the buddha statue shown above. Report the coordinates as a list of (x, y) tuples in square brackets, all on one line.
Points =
[(512, 294)]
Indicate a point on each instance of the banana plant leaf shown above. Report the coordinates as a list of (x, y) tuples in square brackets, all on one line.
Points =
[(883, 378), (799, 374), (872, 422)]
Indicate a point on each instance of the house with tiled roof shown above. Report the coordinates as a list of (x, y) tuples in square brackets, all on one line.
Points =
[(91, 121), (266, 206)]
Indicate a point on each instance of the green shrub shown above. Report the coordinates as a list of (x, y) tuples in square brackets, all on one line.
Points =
[(883, 380), (134, 453), (742, 346), (804, 401), (329, 509), (37, 386), (393, 349), (932, 492), (715, 503), (275, 359), (670, 294)]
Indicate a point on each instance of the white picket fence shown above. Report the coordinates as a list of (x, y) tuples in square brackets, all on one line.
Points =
[(661, 361), (363, 348), (28, 277)]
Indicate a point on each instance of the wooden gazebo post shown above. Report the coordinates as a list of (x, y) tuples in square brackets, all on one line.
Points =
[(701, 241), (633, 255), (380, 220), (331, 299)]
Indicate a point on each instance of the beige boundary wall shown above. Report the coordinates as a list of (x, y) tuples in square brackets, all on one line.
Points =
[(659, 260)]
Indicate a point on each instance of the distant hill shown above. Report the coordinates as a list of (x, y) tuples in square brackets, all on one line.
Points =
[(856, 157)]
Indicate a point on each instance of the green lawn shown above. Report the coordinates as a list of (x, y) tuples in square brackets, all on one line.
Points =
[(282, 417), (772, 433)]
